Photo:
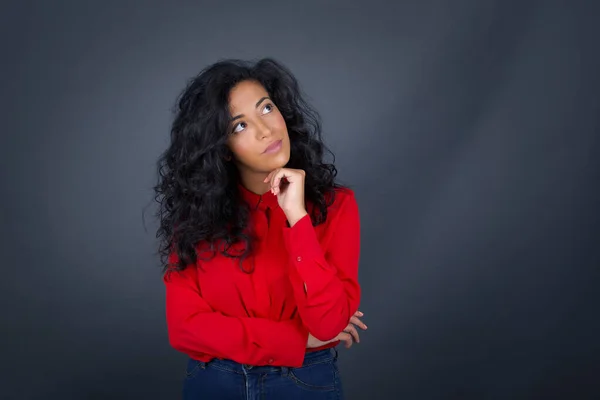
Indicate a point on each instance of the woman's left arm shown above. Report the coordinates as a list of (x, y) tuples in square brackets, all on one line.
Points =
[(325, 281)]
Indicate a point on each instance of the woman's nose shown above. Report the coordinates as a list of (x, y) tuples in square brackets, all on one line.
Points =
[(264, 130)]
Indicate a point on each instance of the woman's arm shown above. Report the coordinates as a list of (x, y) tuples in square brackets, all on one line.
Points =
[(326, 283), (194, 328)]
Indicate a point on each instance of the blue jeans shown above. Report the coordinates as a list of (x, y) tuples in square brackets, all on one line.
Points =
[(317, 379)]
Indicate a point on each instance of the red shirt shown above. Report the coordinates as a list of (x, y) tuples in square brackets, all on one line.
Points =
[(305, 280)]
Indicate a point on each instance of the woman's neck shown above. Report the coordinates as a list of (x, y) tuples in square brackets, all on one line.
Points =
[(255, 184)]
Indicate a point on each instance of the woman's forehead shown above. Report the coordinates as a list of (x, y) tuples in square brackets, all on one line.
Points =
[(245, 94)]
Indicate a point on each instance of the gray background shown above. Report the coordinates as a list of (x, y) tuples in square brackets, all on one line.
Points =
[(468, 129)]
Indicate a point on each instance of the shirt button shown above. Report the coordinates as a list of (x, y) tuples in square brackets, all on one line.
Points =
[(299, 259), (270, 361)]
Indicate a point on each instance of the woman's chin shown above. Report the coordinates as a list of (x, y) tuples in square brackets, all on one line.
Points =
[(279, 162)]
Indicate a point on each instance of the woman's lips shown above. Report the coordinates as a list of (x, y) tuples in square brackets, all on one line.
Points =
[(273, 147)]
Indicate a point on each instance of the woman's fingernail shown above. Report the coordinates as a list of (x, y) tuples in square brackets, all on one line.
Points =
[(361, 313)]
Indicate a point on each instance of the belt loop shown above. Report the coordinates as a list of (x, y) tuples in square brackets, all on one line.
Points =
[(335, 353), (285, 371)]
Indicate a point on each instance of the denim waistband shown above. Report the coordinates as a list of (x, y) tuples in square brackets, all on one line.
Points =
[(310, 358)]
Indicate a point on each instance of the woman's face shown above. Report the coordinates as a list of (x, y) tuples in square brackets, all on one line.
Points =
[(258, 136)]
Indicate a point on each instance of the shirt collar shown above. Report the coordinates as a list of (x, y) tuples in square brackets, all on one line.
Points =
[(257, 201)]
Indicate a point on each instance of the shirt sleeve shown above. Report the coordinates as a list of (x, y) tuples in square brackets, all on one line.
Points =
[(325, 283), (195, 329)]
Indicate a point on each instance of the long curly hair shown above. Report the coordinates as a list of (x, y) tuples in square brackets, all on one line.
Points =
[(200, 209)]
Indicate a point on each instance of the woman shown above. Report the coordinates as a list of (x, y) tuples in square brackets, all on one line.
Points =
[(259, 243)]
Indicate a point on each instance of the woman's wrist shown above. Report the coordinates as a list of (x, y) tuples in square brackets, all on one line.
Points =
[(295, 216)]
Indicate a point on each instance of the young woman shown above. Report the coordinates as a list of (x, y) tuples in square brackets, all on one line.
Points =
[(260, 245)]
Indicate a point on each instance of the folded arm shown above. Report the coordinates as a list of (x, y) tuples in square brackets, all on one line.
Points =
[(194, 328)]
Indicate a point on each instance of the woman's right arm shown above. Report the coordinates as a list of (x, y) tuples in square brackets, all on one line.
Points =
[(195, 328)]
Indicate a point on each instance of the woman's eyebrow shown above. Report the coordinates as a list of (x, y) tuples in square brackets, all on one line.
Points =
[(256, 106)]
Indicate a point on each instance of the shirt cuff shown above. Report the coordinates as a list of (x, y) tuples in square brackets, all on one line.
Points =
[(288, 345)]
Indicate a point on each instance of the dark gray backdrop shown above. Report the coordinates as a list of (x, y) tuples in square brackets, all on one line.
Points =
[(469, 130)]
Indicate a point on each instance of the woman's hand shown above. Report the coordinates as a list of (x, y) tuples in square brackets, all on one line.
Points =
[(288, 185), (349, 335)]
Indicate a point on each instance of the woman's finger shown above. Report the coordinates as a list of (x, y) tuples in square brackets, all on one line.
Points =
[(276, 180), (268, 178), (272, 177), (356, 321), (278, 177), (353, 332), (346, 338), (358, 313)]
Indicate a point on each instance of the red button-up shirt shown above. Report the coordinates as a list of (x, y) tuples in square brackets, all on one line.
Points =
[(305, 279)]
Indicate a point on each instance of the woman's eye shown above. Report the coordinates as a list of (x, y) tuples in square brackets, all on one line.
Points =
[(235, 128), (269, 108)]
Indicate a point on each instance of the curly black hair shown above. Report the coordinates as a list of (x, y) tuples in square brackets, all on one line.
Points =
[(197, 191)]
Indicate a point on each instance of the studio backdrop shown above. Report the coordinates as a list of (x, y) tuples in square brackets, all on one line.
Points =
[(469, 131)]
